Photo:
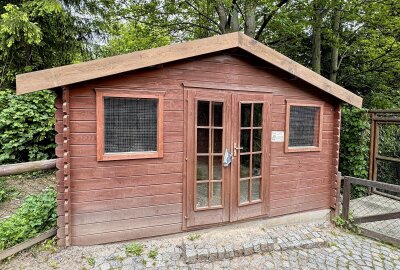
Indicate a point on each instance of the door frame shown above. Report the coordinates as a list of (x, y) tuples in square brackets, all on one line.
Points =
[(189, 140), (239, 98)]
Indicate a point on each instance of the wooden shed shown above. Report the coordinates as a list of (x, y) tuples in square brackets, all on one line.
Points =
[(190, 135)]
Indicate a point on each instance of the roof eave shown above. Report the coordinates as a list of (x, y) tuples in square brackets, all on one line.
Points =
[(66, 75)]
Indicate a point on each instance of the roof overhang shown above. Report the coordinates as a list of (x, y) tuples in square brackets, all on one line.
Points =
[(66, 75)]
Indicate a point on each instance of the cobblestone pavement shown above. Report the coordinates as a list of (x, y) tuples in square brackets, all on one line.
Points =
[(248, 245)]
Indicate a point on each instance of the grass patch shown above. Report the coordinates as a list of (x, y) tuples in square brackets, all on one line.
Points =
[(53, 264), (134, 249), (91, 261), (153, 253), (194, 237), (332, 244)]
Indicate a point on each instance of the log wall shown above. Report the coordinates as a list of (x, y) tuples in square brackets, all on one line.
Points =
[(121, 200)]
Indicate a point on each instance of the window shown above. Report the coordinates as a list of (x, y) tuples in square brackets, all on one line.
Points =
[(303, 126), (129, 125)]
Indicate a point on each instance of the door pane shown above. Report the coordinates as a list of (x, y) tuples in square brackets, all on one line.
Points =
[(203, 112), (245, 140), (255, 189), (245, 115), (244, 191), (217, 141), (256, 165), (202, 168), (202, 195), (216, 194), (217, 168), (217, 114), (202, 140), (244, 166), (257, 115), (257, 140)]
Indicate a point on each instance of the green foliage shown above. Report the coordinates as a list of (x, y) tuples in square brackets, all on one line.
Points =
[(6, 192), (129, 37), (354, 142), (134, 249), (153, 253), (354, 146), (36, 34), (91, 261), (347, 224), (26, 126), (36, 214), (194, 237)]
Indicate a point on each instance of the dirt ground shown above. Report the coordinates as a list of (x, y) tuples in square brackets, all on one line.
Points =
[(23, 185)]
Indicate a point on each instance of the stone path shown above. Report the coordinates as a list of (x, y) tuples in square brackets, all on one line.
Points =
[(248, 245)]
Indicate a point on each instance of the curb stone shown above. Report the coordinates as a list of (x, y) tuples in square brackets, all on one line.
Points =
[(194, 253)]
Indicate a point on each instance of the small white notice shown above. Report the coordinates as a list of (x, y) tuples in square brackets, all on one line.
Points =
[(278, 136)]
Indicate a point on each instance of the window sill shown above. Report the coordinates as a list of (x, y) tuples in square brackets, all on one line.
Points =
[(126, 156), (303, 149)]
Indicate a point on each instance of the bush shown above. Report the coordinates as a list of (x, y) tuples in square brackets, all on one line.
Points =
[(26, 126), (354, 146), (354, 142), (37, 214), (6, 192)]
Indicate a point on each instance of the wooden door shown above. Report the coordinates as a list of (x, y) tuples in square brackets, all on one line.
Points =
[(208, 134), (251, 149), (218, 121)]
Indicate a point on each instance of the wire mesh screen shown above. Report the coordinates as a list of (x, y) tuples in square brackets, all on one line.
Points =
[(130, 125), (303, 126), (377, 206), (388, 171), (389, 140)]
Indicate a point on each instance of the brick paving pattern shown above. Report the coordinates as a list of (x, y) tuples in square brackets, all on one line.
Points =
[(248, 245)]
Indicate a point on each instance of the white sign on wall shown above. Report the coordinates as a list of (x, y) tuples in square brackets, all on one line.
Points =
[(278, 136)]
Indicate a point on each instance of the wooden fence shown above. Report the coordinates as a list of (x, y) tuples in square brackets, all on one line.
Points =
[(18, 168), (370, 218), (380, 119)]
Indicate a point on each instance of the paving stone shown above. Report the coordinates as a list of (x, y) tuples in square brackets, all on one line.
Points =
[(191, 256), (202, 254), (213, 253), (245, 247), (248, 249)]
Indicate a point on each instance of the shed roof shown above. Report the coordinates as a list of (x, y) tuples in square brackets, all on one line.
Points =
[(65, 75)]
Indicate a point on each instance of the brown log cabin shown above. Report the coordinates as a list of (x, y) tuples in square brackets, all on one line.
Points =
[(190, 135)]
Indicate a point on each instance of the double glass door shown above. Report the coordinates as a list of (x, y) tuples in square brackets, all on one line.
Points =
[(227, 156)]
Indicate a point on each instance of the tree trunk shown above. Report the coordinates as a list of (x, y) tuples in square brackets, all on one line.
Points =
[(234, 23), (316, 37), (250, 20), (223, 18), (335, 45)]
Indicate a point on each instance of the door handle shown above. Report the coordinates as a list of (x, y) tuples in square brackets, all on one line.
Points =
[(235, 148)]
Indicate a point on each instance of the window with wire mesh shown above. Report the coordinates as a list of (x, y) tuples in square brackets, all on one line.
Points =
[(304, 126), (130, 125)]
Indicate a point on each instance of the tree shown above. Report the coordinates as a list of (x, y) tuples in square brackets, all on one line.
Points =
[(34, 35)]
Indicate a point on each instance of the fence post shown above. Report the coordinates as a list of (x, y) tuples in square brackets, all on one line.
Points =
[(346, 198), (339, 184)]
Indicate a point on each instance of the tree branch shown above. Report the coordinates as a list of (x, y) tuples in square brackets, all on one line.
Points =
[(202, 14), (267, 19)]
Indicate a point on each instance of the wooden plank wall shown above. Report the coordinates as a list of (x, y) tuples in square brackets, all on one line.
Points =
[(127, 199)]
